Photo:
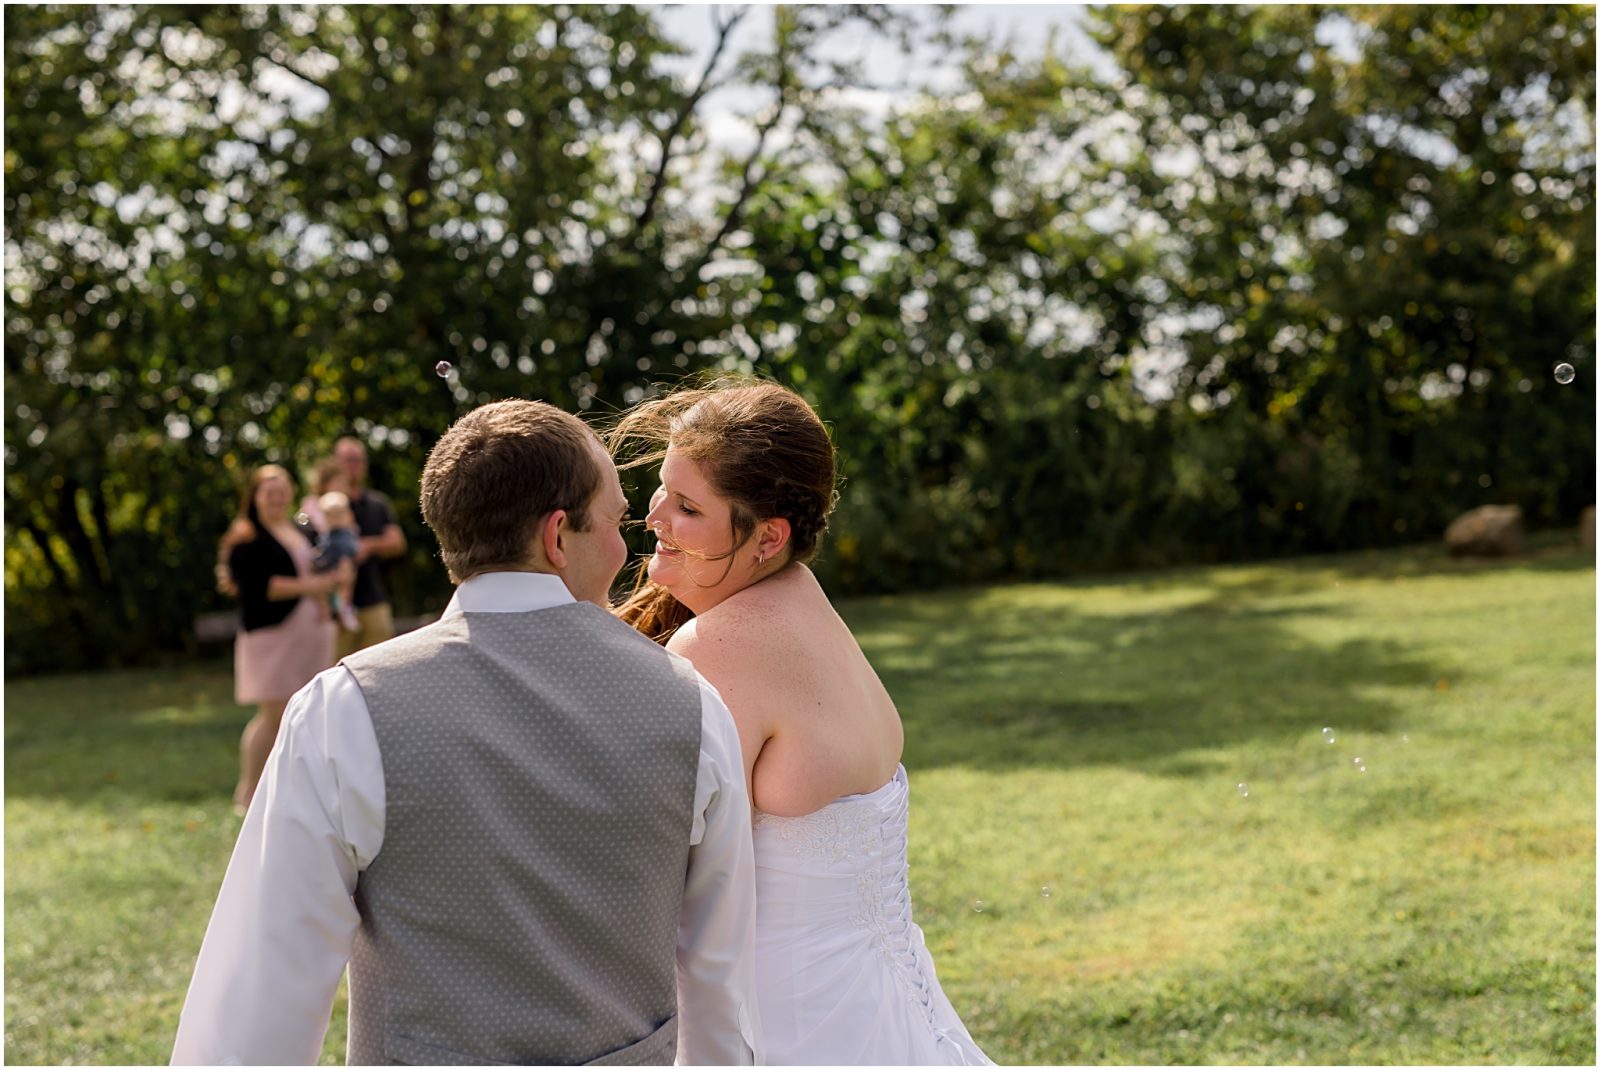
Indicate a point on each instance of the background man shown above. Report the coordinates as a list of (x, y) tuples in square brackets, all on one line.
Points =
[(381, 540)]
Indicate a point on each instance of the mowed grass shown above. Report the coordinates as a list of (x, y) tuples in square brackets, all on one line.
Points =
[(1088, 738)]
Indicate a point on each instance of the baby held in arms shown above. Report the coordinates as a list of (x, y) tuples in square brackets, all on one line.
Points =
[(341, 542)]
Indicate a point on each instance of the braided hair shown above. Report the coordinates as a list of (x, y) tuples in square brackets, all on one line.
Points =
[(763, 448)]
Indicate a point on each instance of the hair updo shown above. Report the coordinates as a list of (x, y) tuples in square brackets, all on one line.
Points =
[(763, 449)]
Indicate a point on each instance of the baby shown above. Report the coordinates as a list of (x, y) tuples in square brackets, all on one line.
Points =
[(340, 542)]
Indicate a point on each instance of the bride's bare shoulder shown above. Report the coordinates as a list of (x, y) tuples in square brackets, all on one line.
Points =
[(742, 659), (759, 621)]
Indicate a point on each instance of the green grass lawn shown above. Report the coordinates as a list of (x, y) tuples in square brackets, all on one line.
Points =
[(1090, 738)]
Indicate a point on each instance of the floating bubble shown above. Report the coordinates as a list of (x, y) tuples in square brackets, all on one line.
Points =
[(1327, 735), (1361, 766), (1044, 893), (1405, 739), (1565, 373), (977, 906), (1244, 791), (442, 369), (302, 519)]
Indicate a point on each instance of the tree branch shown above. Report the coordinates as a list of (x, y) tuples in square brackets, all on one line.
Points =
[(69, 524), (100, 510), (659, 179), (42, 541), (276, 45), (747, 185)]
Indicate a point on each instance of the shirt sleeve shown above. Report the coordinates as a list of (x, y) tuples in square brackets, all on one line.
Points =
[(281, 932), (718, 1023)]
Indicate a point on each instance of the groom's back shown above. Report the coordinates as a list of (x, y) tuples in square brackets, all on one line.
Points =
[(539, 773)]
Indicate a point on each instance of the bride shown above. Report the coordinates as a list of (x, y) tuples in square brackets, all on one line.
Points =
[(747, 483)]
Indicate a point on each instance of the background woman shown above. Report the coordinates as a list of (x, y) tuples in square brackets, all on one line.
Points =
[(284, 639), (843, 974)]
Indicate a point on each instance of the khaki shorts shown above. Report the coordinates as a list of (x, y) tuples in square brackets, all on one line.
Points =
[(377, 624)]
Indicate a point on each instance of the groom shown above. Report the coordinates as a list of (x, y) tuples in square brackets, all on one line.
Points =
[(525, 827)]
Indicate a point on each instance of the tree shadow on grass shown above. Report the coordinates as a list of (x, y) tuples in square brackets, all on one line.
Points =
[(1019, 677), (1547, 552), (991, 677), (108, 740)]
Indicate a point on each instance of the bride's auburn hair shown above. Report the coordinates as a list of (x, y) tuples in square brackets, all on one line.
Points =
[(764, 450)]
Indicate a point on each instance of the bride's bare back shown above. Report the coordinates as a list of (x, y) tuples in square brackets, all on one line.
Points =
[(814, 720)]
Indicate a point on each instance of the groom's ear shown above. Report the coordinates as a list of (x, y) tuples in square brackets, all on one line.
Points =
[(553, 538)]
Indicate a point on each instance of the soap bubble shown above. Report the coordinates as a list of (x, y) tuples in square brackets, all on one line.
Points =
[(1327, 735), (442, 369), (1244, 791), (1565, 373), (977, 906), (1044, 893)]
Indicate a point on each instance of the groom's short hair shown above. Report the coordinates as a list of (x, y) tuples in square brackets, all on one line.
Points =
[(499, 471)]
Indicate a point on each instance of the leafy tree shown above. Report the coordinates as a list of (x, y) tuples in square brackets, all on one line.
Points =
[(1286, 279), (1387, 216), (234, 232)]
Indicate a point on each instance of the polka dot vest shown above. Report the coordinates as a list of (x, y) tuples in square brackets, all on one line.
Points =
[(539, 773)]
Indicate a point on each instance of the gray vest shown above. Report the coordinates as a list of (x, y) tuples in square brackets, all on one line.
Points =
[(539, 775)]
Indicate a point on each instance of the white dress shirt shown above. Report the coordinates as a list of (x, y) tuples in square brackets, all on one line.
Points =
[(281, 932)]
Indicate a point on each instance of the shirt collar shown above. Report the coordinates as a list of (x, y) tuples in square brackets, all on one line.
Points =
[(509, 592)]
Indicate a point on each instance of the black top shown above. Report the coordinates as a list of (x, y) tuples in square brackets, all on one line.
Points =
[(373, 514), (253, 564)]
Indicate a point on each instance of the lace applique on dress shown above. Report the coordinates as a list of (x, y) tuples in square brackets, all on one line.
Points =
[(832, 834)]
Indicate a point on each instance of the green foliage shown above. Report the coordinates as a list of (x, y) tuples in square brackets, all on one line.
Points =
[(1088, 737), (235, 232), (1400, 242), (1288, 279)]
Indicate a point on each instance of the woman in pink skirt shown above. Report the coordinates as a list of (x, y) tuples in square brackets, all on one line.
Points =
[(285, 638)]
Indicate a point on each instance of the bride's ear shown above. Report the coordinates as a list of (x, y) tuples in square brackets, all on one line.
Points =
[(771, 537)]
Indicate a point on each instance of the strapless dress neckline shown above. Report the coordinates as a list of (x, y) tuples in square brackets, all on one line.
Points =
[(898, 779)]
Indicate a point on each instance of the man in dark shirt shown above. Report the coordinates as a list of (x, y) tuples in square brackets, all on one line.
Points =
[(381, 539)]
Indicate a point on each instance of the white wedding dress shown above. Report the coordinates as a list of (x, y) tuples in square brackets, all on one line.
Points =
[(843, 975)]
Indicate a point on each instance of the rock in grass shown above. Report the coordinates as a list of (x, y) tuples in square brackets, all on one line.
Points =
[(1487, 531)]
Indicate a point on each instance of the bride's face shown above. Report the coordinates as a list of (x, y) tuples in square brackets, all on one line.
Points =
[(693, 526)]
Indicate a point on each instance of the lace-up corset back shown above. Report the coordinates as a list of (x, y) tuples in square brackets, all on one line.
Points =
[(841, 869), (833, 906)]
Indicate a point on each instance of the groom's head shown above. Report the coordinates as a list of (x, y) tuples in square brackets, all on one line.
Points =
[(522, 486)]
